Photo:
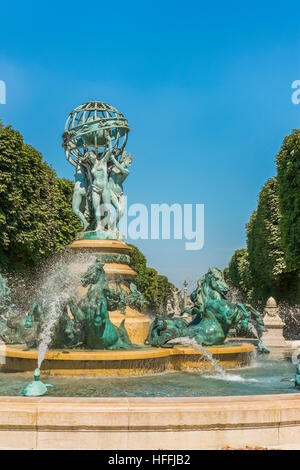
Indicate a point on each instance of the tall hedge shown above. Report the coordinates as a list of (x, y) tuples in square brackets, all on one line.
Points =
[(288, 177), (239, 272), (35, 217), (265, 252), (273, 234)]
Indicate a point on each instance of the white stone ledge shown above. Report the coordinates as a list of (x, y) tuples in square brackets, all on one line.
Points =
[(150, 423)]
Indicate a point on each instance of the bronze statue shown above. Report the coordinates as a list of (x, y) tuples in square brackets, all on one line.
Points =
[(94, 141)]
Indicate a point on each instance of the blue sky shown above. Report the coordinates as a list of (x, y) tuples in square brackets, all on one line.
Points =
[(206, 88)]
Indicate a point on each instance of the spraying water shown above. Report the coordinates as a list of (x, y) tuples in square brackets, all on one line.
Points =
[(220, 373), (253, 330), (208, 355), (59, 287), (290, 314)]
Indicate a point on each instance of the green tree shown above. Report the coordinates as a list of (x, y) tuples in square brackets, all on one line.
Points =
[(288, 177), (164, 291), (35, 220), (138, 263), (271, 264), (155, 288), (239, 272), (67, 224), (265, 253)]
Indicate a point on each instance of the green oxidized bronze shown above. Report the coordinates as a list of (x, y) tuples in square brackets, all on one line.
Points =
[(12, 327), (89, 325), (5, 305), (114, 258), (213, 316), (297, 377), (36, 388), (135, 298), (91, 313), (83, 323), (86, 323), (94, 141)]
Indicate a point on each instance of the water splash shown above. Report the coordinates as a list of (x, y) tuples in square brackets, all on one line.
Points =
[(58, 288), (219, 372), (290, 314), (231, 378), (253, 330), (191, 342)]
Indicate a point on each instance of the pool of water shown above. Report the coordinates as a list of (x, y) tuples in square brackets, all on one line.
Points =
[(264, 376)]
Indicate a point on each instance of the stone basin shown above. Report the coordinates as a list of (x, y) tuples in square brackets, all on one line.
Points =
[(136, 362)]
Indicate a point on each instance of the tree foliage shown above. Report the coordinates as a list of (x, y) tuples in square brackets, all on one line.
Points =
[(155, 288), (67, 224), (271, 264), (35, 217), (288, 176), (266, 255), (239, 272)]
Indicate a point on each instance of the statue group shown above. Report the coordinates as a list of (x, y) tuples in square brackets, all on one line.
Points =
[(94, 141), (86, 323), (81, 322)]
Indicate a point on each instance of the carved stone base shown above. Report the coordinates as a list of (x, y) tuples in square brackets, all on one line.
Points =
[(273, 337), (115, 256)]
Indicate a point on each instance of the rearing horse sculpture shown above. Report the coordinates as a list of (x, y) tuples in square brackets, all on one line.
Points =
[(92, 312), (213, 315)]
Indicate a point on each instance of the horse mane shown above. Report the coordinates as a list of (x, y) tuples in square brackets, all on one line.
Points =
[(199, 295)]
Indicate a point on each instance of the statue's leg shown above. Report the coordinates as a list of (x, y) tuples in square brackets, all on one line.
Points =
[(77, 201), (84, 211), (106, 204), (97, 209), (121, 209), (115, 204)]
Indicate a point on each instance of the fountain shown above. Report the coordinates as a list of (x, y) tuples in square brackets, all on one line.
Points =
[(88, 319)]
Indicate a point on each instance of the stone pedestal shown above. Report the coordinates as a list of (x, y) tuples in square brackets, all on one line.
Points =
[(273, 337), (114, 254)]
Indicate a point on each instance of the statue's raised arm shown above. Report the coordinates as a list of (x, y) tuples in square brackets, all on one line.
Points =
[(120, 167)]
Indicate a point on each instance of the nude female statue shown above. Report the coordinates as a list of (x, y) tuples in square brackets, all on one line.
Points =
[(100, 187), (117, 177)]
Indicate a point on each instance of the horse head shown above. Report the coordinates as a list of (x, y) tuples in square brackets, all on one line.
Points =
[(216, 282)]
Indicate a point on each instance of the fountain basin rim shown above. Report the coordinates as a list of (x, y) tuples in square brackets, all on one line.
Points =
[(150, 423), (105, 355), (137, 362)]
